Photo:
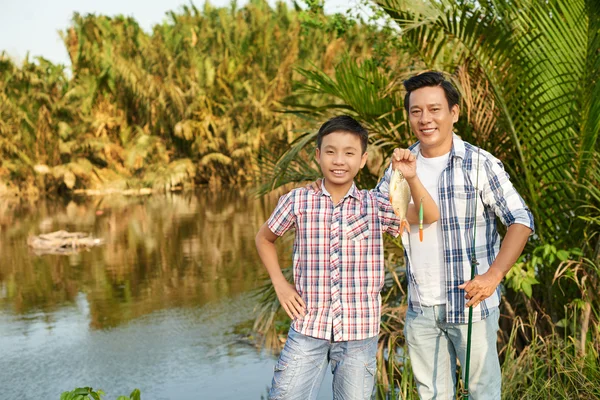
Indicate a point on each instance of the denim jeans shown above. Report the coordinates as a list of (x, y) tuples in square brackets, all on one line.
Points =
[(434, 345), (303, 362)]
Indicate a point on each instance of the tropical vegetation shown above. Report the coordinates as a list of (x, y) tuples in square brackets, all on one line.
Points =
[(192, 102), (529, 75), (232, 96), (87, 393)]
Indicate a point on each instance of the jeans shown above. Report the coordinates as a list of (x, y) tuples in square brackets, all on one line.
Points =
[(434, 345), (303, 361)]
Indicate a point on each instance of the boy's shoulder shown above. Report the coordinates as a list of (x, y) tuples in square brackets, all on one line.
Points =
[(302, 192)]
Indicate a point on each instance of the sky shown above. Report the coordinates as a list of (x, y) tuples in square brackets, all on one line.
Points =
[(32, 25)]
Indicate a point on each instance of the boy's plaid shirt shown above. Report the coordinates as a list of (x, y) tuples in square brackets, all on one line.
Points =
[(337, 259), (457, 188)]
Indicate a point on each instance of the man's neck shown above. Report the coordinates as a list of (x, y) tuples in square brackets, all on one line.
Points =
[(431, 152), (337, 192)]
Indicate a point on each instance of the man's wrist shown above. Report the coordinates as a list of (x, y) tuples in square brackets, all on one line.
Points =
[(496, 273), (412, 179)]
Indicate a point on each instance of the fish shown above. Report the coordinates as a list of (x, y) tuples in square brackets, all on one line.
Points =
[(400, 197)]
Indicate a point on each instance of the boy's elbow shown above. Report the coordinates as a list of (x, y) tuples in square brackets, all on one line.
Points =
[(264, 236)]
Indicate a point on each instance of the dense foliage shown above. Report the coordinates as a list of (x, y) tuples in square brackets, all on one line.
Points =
[(233, 95), (192, 102), (529, 75)]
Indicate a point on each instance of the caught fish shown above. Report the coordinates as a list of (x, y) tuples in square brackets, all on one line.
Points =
[(400, 197)]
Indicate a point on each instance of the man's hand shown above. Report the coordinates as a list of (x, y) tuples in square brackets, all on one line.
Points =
[(316, 185), (481, 287), (290, 300), (406, 162)]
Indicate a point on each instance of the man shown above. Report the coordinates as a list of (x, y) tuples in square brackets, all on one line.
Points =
[(471, 189)]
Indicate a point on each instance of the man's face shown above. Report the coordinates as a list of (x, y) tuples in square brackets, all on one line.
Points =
[(431, 120), (340, 158)]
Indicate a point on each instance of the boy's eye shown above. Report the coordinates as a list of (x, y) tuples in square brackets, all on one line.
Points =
[(349, 154), (329, 151)]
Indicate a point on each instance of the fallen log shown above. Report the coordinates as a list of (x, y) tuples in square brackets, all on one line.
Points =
[(62, 242)]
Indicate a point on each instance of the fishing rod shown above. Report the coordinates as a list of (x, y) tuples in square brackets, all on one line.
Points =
[(474, 263)]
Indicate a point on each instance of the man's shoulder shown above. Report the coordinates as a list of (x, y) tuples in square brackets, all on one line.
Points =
[(472, 151)]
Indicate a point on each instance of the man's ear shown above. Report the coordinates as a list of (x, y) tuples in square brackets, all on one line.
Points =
[(455, 113)]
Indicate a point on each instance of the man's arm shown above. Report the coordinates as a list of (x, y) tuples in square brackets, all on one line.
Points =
[(483, 286), (289, 298), (500, 194), (406, 162)]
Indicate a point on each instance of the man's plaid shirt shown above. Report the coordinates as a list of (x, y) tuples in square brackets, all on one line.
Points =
[(457, 189), (338, 259)]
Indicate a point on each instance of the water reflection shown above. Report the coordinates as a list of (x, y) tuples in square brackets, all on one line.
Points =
[(153, 308), (160, 252)]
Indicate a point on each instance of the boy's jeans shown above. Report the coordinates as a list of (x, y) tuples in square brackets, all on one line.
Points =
[(303, 362), (433, 346)]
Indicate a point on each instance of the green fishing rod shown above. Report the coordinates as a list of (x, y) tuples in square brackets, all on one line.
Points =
[(474, 263)]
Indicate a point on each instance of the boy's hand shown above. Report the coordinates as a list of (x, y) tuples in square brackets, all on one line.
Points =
[(290, 300), (406, 162), (316, 185)]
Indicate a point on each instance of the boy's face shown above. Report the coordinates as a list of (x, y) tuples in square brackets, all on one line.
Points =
[(341, 157), (431, 120)]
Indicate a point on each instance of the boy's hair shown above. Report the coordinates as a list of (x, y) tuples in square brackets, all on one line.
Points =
[(343, 123), (432, 78)]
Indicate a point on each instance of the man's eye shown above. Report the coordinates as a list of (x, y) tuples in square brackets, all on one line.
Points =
[(435, 109), (415, 112)]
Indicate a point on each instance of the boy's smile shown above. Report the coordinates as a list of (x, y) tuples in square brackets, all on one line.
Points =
[(340, 158)]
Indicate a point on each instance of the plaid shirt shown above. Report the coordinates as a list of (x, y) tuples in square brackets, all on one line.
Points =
[(337, 259), (457, 189)]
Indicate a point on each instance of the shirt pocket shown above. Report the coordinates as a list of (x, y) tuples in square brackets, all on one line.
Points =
[(464, 193), (356, 228)]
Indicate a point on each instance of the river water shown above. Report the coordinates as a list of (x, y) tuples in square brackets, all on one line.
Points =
[(155, 308)]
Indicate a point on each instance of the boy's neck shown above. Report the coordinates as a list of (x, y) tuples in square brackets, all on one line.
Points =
[(337, 192)]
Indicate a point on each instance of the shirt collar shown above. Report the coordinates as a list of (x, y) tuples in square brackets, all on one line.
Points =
[(353, 191)]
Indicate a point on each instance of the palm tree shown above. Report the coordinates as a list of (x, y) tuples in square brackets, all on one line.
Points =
[(528, 72)]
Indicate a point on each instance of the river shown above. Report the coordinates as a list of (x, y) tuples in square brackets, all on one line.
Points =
[(156, 307)]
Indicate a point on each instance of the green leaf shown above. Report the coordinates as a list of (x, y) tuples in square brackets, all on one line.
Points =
[(562, 255), (562, 323), (135, 395)]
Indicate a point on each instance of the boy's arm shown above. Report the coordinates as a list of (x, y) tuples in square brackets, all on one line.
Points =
[(289, 298)]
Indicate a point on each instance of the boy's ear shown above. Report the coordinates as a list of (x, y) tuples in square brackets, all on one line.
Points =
[(363, 159), (317, 152)]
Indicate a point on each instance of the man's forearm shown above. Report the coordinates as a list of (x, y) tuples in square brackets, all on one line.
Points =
[(510, 250), (431, 213)]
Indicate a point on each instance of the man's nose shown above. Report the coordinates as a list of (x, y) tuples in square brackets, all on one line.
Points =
[(425, 117)]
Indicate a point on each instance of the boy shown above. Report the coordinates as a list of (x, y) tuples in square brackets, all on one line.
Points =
[(338, 268)]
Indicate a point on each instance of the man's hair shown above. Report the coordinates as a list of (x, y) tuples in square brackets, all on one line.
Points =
[(343, 123), (432, 78)]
